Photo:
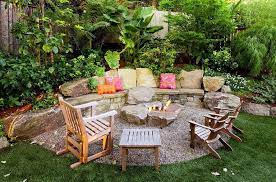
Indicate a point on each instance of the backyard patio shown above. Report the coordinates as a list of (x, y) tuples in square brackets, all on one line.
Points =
[(253, 160), (122, 90)]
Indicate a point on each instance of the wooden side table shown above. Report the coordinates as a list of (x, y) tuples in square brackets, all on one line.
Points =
[(140, 139)]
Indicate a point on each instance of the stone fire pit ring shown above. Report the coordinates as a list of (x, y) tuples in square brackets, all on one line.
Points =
[(140, 114)]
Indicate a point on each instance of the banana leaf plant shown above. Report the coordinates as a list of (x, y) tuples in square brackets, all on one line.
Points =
[(136, 31)]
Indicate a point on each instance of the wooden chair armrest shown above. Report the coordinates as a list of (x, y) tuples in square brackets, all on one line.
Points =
[(200, 125), (233, 117), (215, 114), (100, 116), (210, 117), (225, 109), (89, 104)]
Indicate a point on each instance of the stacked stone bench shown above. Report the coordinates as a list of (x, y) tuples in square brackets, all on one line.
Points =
[(192, 97)]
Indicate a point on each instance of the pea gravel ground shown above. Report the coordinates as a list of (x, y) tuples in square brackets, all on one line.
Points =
[(175, 140)]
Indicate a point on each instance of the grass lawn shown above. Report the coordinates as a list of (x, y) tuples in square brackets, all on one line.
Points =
[(252, 160)]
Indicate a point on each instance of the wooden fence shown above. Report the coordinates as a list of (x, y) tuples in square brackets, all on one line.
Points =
[(8, 15)]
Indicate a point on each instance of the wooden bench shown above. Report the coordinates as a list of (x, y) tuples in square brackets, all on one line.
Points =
[(140, 139)]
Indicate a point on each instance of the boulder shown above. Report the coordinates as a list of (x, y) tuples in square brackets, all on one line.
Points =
[(4, 143), (164, 118), (256, 109), (135, 114), (33, 123), (140, 95), (213, 84), (112, 73), (226, 89), (75, 88), (190, 79), (273, 111), (128, 77), (145, 78), (178, 85), (219, 99), (157, 81)]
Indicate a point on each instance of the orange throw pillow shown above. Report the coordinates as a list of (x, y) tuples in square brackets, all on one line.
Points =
[(106, 89)]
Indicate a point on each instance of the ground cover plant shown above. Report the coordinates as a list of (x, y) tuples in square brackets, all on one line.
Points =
[(252, 160)]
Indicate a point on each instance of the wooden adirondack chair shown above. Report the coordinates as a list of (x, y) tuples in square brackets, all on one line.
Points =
[(80, 131), (207, 135), (229, 126)]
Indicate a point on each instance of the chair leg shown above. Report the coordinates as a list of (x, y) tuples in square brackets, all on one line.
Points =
[(123, 158), (157, 158), (213, 152), (62, 151), (237, 129), (84, 153), (192, 144), (65, 150), (232, 135), (110, 142), (105, 145), (192, 133), (226, 145), (75, 165)]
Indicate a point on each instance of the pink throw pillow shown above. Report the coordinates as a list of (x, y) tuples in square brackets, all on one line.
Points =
[(116, 81), (167, 81)]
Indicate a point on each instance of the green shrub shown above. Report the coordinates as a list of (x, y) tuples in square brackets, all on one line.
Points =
[(21, 79), (255, 50), (159, 56), (222, 61), (48, 101), (67, 27), (190, 67), (80, 67), (255, 12), (265, 90), (201, 27), (92, 83), (170, 5)]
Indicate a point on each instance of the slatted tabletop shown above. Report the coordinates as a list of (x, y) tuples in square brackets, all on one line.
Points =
[(140, 138)]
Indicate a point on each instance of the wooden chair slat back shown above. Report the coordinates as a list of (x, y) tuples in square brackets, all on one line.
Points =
[(73, 118), (219, 124), (237, 111)]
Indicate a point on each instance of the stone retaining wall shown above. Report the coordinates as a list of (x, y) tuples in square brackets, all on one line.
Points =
[(118, 100), (259, 109), (106, 102), (181, 96)]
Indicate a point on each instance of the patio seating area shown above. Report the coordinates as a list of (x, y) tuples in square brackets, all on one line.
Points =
[(175, 139), (32, 162), (137, 90)]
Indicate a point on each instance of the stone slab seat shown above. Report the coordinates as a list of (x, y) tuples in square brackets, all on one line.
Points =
[(95, 97), (182, 91)]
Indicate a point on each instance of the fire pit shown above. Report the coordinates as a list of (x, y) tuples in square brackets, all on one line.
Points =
[(155, 114)]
